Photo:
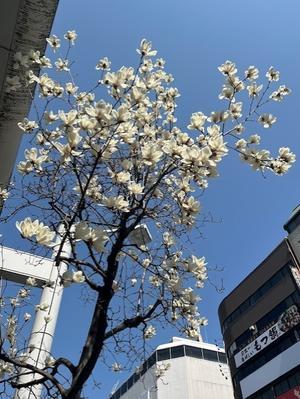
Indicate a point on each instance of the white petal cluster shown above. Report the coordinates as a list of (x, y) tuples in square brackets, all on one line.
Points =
[(4, 194), (149, 332), (28, 126), (70, 277), (5, 368), (96, 237), (161, 369), (116, 367), (71, 35), (34, 161), (42, 233)]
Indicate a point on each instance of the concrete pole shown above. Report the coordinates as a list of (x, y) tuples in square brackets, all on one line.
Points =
[(41, 337)]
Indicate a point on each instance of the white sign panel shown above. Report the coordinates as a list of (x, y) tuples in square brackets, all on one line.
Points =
[(289, 319)]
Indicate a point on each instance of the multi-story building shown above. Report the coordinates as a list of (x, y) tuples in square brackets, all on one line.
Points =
[(182, 369), (260, 321)]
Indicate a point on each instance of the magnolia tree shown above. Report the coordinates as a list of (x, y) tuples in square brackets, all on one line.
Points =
[(99, 170)]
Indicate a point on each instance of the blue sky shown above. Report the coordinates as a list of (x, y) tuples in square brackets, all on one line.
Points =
[(195, 37)]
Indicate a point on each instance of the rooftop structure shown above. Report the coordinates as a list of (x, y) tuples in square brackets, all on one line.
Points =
[(182, 369)]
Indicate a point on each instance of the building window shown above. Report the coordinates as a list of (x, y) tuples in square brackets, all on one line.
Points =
[(177, 351), (255, 297), (210, 355), (193, 352), (163, 354)]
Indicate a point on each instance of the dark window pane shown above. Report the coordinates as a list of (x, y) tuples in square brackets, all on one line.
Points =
[(152, 360), (297, 375), (163, 354), (292, 381), (123, 388), (210, 355), (177, 351), (193, 352), (222, 357), (136, 377), (130, 382)]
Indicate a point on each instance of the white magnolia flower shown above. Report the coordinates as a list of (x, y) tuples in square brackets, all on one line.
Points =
[(251, 73), (31, 281), (44, 235), (272, 75), (145, 49), (42, 306), (118, 203), (5, 368), (197, 121), (27, 316), (68, 118), (104, 64), (151, 154), (47, 319), (228, 68), (267, 120), (168, 239), (78, 277), (161, 368), (62, 65), (54, 42), (27, 126), (279, 94), (254, 139), (236, 110), (116, 367), (155, 281), (227, 93), (45, 62), (135, 188), (133, 281), (27, 227), (241, 144), (71, 88), (71, 35), (254, 89), (197, 266), (149, 332), (49, 361), (4, 194), (96, 237), (217, 117), (286, 155), (191, 206), (50, 117)]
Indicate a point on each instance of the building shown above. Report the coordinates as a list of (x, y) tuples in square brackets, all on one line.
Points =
[(24, 26), (182, 369), (260, 323)]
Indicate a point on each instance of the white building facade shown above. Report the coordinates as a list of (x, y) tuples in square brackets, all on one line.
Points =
[(190, 370)]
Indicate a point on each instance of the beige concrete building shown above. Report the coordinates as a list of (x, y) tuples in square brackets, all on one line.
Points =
[(195, 370)]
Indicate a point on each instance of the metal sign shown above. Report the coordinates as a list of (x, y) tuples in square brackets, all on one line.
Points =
[(286, 321)]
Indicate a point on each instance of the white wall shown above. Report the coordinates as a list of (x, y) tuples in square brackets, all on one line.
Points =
[(187, 378)]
